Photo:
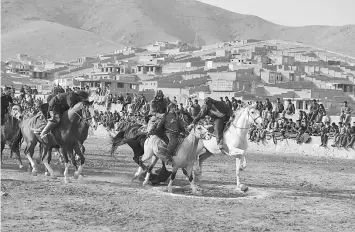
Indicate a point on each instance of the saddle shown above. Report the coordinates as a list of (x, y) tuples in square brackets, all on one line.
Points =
[(226, 125), (37, 123)]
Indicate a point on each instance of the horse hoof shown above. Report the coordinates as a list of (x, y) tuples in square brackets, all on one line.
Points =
[(66, 181), (34, 173), (243, 188), (170, 190), (145, 183), (81, 177), (76, 175), (21, 166), (46, 174), (197, 193)]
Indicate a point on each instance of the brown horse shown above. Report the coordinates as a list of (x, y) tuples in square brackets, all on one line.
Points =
[(68, 135), (11, 135)]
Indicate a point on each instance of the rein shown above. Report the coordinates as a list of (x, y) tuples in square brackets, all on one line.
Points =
[(85, 119), (246, 128)]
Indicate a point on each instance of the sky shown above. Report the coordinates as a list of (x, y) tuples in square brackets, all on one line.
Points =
[(294, 12)]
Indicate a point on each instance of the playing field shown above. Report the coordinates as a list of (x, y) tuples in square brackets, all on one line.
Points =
[(286, 193)]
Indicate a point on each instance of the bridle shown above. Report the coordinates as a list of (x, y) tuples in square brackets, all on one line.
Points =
[(246, 128), (82, 118), (201, 135)]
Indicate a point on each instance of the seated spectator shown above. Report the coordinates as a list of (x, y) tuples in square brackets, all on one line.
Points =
[(324, 134), (345, 113), (338, 135)]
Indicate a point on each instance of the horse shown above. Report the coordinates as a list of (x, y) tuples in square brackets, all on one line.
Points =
[(71, 131), (234, 142), (11, 134), (186, 155)]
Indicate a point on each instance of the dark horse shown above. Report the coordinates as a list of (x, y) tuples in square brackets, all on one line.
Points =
[(68, 135), (11, 135), (134, 138)]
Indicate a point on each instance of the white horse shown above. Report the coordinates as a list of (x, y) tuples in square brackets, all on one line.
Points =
[(234, 142), (185, 157)]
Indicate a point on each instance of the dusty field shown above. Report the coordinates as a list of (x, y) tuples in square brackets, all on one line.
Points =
[(286, 194)]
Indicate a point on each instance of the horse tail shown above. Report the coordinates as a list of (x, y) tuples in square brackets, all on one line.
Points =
[(116, 142)]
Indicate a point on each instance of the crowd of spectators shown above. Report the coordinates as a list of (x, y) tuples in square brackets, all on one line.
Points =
[(315, 123)]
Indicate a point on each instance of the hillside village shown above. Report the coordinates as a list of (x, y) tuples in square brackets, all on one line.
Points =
[(243, 69)]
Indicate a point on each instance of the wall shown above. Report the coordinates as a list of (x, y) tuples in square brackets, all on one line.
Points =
[(289, 146)]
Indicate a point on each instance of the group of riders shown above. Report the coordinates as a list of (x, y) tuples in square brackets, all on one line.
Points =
[(160, 107)]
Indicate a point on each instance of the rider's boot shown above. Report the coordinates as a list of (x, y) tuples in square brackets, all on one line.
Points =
[(169, 158), (47, 129)]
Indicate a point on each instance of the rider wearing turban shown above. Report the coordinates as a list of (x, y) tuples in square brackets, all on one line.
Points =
[(159, 104), (172, 127), (58, 105), (220, 112)]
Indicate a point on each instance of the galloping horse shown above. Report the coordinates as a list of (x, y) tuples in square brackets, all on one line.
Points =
[(234, 141), (68, 135), (186, 155), (11, 133), (133, 137)]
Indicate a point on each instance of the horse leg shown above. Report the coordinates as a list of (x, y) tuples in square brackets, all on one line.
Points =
[(17, 151), (72, 157), (244, 163), (66, 166), (190, 174), (29, 154), (138, 173), (46, 158), (240, 186), (150, 168), (172, 178), (77, 149), (201, 158), (2, 149)]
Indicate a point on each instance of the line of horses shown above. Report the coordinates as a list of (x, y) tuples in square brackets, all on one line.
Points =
[(72, 132)]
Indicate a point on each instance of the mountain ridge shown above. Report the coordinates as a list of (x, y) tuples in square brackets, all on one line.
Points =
[(66, 29)]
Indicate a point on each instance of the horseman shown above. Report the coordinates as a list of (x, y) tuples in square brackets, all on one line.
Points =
[(159, 104), (221, 114), (58, 105), (6, 100), (172, 128)]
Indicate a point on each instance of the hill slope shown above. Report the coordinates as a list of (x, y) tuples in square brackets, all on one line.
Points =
[(65, 29)]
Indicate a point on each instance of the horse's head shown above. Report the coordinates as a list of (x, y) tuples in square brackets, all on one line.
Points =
[(89, 113), (247, 115), (152, 123), (86, 113), (16, 111), (201, 132)]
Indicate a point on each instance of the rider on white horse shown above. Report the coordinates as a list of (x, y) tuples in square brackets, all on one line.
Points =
[(221, 114), (172, 128)]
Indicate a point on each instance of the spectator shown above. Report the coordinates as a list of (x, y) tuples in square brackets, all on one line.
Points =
[(290, 110), (324, 134), (279, 108), (313, 111), (228, 102), (195, 109), (321, 113), (345, 113)]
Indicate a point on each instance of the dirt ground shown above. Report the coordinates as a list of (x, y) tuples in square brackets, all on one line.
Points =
[(286, 193)]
